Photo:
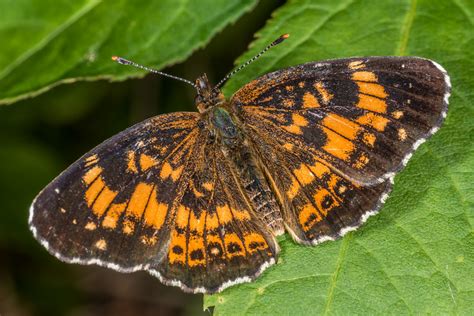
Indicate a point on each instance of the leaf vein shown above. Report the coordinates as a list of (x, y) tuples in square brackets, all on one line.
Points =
[(464, 11), (337, 270), (30, 52), (406, 28)]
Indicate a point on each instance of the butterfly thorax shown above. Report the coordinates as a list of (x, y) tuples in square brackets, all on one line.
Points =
[(224, 127)]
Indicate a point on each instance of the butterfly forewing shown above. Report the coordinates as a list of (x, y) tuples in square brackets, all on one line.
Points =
[(363, 116), (114, 205)]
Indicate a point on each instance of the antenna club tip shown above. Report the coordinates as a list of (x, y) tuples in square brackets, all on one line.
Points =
[(281, 39), (121, 60)]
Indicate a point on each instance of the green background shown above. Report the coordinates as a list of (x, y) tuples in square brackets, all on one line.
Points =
[(415, 257)]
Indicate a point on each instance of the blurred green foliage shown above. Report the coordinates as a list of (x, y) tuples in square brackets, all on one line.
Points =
[(62, 41)]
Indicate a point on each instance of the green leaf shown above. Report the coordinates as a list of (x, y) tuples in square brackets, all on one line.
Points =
[(46, 42), (417, 255)]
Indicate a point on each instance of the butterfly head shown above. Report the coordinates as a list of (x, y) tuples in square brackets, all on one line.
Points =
[(207, 96)]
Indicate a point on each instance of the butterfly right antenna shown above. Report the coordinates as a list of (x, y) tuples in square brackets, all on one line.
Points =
[(275, 42)]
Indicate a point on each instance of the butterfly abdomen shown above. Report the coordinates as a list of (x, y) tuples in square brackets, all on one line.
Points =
[(255, 186)]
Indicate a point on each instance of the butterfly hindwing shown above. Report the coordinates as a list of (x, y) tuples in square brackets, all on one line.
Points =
[(217, 239), (114, 205), (364, 116), (318, 203)]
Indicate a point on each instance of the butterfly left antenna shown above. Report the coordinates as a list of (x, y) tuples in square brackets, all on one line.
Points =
[(124, 61)]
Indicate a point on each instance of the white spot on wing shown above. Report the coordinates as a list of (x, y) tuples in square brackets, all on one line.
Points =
[(447, 80)]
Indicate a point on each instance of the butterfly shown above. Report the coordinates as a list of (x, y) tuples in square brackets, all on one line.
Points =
[(197, 199)]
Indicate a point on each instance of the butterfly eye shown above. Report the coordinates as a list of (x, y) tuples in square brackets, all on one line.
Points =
[(201, 103), (198, 99)]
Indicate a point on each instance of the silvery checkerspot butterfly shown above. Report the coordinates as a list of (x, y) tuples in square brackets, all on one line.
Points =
[(197, 199)]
